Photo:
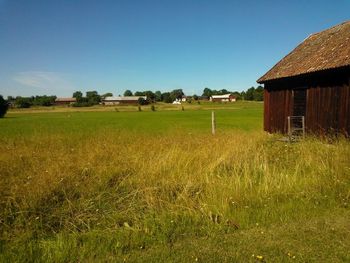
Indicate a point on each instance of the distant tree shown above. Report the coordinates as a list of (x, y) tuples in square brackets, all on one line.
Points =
[(166, 97), (259, 93), (78, 95), (93, 97), (237, 95), (223, 92), (142, 101), (23, 102), (243, 95), (176, 94), (139, 93), (207, 92), (128, 93), (250, 94), (158, 95), (108, 94), (151, 97), (195, 97), (44, 100), (3, 107)]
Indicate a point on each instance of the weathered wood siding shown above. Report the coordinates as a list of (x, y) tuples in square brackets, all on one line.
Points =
[(327, 102), (277, 107)]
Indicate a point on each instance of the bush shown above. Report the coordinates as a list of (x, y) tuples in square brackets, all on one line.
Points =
[(3, 107), (142, 101), (153, 108), (23, 102)]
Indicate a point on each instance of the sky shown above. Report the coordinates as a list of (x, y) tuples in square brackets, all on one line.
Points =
[(50, 47)]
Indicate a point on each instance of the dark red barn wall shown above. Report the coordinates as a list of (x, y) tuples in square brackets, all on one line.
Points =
[(327, 102), (277, 107)]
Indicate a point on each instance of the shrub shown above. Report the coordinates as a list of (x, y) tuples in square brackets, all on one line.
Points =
[(142, 101), (3, 107), (153, 108)]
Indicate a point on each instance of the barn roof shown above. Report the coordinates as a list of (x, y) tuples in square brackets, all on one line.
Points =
[(125, 98), (320, 51), (225, 96)]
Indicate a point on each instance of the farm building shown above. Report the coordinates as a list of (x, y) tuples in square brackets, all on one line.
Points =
[(223, 98), (311, 81), (122, 100), (65, 101)]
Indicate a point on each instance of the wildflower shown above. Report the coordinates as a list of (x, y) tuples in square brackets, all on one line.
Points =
[(259, 257)]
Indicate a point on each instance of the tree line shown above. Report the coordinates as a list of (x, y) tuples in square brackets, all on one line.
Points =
[(93, 98)]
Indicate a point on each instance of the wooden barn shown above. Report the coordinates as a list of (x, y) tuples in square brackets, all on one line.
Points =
[(311, 81), (65, 101)]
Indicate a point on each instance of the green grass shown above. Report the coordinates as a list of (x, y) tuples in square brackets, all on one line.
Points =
[(106, 185)]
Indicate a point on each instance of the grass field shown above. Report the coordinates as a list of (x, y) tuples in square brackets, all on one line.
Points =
[(114, 184)]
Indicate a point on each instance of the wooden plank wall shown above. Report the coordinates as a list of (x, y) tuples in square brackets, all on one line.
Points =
[(277, 107), (327, 106)]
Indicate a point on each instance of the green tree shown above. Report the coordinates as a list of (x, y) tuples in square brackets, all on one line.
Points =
[(93, 97), (151, 97), (78, 95), (3, 107), (128, 93), (259, 93), (223, 92), (207, 92), (139, 93), (108, 94), (44, 100), (250, 94), (176, 94), (158, 95), (142, 101), (166, 97), (195, 97), (24, 102)]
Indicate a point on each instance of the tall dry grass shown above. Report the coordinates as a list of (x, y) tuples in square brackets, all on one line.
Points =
[(161, 188)]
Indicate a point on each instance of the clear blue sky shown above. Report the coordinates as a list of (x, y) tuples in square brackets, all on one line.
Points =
[(57, 47)]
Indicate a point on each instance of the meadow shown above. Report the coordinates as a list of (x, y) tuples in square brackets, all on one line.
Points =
[(117, 184)]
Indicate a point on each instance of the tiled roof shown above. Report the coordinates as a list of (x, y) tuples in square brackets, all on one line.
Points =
[(324, 50)]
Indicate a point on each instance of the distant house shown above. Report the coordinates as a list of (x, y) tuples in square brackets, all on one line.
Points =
[(119, 100), (223, 98), (65, 101), (312, 82)]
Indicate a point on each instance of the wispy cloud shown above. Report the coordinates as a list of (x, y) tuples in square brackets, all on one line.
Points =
[(44, 80)]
